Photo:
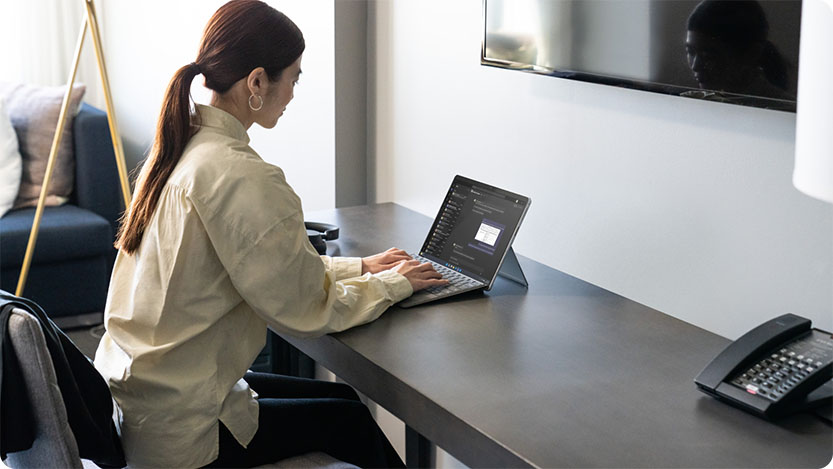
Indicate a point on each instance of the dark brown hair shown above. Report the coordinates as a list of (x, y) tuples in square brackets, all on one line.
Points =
[(241, 36)]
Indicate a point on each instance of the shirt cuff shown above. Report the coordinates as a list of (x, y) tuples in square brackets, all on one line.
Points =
[(346, 267), (398, 286)]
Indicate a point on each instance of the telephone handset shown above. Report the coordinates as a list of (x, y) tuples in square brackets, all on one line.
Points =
[(781, 367), (319, 234)]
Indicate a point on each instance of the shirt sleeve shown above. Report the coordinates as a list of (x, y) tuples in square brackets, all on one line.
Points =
[(254, 221), (343, 267), (286, 283)]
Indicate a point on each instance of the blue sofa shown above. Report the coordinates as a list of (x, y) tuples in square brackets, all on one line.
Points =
[(74, 255)]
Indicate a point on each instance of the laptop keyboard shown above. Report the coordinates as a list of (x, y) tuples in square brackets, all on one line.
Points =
[(456, 280)]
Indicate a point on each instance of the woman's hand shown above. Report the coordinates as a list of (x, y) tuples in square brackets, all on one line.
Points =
[(420, 275), (384, 260)]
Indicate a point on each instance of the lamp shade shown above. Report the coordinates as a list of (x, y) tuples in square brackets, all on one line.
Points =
[(814, 116)]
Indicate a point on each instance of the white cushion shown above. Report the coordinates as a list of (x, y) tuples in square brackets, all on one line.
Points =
[(10, 162)]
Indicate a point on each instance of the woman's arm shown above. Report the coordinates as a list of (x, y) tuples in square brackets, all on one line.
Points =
[(286, 283), (349, 267)]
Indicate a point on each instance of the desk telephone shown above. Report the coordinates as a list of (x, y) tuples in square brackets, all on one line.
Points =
[(781, 367)]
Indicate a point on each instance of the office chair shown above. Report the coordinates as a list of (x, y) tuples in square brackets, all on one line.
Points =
[(54, 444)]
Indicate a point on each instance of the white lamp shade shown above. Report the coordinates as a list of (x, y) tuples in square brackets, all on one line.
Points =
[(814, 117)]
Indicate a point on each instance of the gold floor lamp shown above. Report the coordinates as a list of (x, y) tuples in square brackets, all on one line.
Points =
[(92, 22)]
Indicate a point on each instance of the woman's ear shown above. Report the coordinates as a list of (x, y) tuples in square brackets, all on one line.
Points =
[(256, 81)]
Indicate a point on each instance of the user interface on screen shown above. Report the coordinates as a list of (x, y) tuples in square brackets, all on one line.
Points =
[(474, 228)]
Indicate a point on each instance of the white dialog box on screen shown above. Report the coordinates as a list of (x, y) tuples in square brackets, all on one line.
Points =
[(487, 234)]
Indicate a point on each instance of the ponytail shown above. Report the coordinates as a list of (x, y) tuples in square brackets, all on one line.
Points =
[(175, 127)]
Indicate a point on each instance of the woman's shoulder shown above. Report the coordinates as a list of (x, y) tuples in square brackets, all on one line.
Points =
[(227, 176), (208, 149), (209, 159)]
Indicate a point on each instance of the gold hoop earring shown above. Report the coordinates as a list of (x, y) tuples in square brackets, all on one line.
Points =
[(259, 106)]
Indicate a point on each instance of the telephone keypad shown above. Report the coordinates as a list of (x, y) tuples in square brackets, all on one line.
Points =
[(784, 369)]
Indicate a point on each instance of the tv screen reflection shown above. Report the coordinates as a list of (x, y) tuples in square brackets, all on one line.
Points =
[(737, 51)]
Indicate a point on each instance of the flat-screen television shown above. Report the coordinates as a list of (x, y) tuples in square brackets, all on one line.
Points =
[(732, 51)]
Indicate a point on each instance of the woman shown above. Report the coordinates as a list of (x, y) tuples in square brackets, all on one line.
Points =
[(212, 250)]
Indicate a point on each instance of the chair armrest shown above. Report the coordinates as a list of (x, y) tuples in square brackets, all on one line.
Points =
[(97, 186)]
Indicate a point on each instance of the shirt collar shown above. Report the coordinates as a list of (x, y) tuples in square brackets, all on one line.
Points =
[(222, 122)]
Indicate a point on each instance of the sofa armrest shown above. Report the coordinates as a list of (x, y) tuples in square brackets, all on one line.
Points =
[(97, 186)]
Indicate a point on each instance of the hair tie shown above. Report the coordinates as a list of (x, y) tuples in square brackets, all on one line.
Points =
[(196, 67)]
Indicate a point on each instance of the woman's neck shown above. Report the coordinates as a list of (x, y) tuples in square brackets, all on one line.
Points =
[(232, 103)]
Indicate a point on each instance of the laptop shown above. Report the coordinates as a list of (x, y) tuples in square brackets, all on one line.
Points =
[(470, 238)]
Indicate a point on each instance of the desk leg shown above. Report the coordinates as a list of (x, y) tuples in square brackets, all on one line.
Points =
[(417, 449), (287, 360)]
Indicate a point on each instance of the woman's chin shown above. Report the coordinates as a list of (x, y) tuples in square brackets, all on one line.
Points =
[(269, 125)]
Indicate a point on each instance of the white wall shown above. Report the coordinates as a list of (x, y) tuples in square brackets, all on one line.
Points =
[(146, 42), (685, 206)]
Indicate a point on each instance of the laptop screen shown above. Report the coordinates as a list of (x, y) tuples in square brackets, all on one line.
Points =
[(474, 228)]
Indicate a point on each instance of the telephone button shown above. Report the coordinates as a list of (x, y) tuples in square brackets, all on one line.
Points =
[(752, 389), (809, 369)]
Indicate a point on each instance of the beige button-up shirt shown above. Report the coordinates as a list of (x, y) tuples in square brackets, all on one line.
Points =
[(224, 255)]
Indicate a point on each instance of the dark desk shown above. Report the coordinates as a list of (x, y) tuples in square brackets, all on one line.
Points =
[(564, 374)]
